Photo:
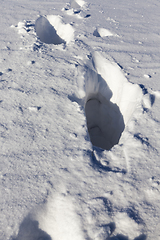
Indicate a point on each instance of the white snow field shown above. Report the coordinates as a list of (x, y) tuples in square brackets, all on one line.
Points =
[(80, 120)]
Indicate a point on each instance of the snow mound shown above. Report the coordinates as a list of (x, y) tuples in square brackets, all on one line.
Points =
[(52, 30), (29, 230), (59, 219), (55, 219), (110, 102), (102, 32)]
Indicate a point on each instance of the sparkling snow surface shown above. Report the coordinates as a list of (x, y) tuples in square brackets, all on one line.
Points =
[(73, 74)]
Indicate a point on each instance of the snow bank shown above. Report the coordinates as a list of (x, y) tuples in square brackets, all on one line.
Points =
[(110, 102), (52, 30)]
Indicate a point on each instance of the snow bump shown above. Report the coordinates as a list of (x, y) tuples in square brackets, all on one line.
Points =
[(102, 32)]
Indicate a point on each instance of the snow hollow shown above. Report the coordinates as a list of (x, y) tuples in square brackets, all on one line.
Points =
[(79, 120)]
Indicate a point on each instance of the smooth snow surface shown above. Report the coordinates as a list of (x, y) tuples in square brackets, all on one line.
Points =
[(80, 120)]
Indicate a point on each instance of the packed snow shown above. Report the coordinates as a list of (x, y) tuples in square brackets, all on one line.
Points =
[(79, 120)]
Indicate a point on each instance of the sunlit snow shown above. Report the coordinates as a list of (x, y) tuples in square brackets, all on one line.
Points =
[(80, 120)]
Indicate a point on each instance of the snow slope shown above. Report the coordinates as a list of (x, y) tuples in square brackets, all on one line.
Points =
[(98, 83)]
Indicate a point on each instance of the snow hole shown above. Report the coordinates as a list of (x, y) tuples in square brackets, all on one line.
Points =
[(52, 30), (110, 102)]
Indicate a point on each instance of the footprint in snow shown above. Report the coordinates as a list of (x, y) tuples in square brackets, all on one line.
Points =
[(110, 101), (52, 30), (77, 8), (24, 27), (149, 97)]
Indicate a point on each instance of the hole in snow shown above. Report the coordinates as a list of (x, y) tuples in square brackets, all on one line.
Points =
[(46, 32), (104, 121), (52, 30), (109, 103), (29, 230)]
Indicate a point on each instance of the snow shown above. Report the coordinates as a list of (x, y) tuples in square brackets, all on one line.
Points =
[(63, 86), (51, 30), (77, 3), (46, 32), (102, 32)]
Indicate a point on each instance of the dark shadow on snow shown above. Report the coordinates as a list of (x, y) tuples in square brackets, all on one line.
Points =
[(96, 164), (118, 237), (46, 32), (109, 208), (122, 237), (105, 122), (29, 230), (134, 214), (141, 237)]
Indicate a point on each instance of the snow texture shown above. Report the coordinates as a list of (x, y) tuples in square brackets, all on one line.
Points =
[(55, 219), (79, 120)]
